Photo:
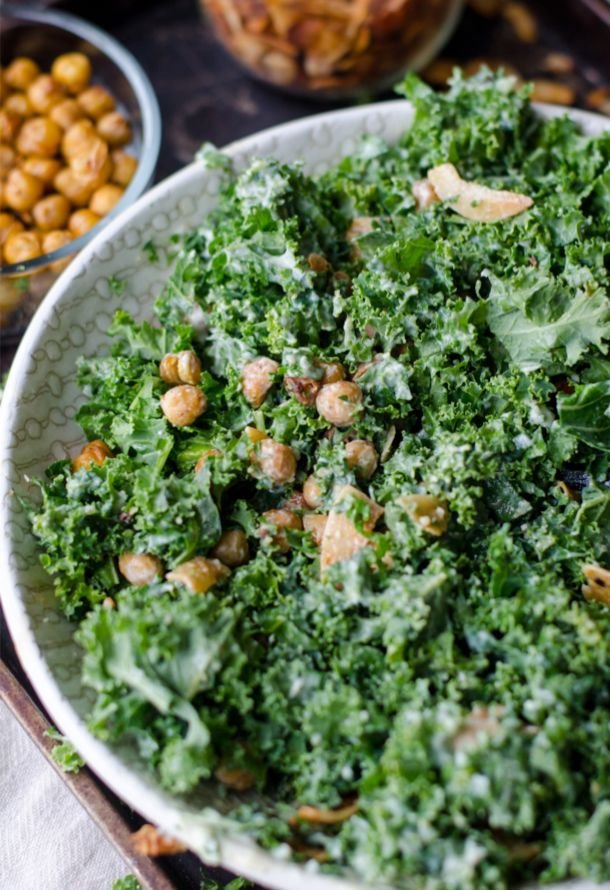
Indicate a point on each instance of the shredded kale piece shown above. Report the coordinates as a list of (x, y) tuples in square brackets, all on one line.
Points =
[(64, 753)]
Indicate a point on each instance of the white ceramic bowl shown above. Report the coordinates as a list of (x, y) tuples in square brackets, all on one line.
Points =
[(37, 426)]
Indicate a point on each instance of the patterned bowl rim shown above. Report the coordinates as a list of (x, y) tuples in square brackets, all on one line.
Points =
[(211, 836)]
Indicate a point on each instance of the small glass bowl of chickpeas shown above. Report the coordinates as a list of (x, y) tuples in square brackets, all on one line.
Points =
[(79, 140)]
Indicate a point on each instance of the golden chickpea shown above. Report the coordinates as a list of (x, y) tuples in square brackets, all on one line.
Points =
[(21, 72), (72, 70), (203, 458), (51, 212), (19, 104), (312, 493), (114, 128), (39, 136), (280, 520), (22, 190), (9, 225), (315, 523), (77, 139), (10, 123), (44, 169), (361, 457), (95, 101), (339, 403), (257, 380), (199, 574), (95, 452), (140, 568), (93, 161), (105, 198), (52, 241), (277, 462), (180, 367), (7, 159), (44, 93), (333, 372), (232, 548), (124, 167), (66, 113), (21, 247), (76, 187), (82, 221), (182, 405)]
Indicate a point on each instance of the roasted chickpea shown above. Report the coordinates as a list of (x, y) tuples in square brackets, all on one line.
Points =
[(280, 520), (66, 113), (7, 159), (39, 136), (95, 452), (312, 493), (140, 568), (188, 367), (362, 457), (232, 548), (76, 187), (19, 104), (21, 72), (124, 166), (77, 139), (114, 128), (333, 372), (339, 403), (82, 221), (72, 70), (93, 161), (95, 101), (105, 198), (182, 405), (44, 93), (277, 462), (257, 380), (10, 122), (51, 212), (21, 247), (44, 169), (9, 225), (203, 458), (180, 367), (199, 574), (315, 523), (52, 241), (22, 190)]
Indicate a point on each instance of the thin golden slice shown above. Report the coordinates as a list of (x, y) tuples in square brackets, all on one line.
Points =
[(474, 201), (341, 539)]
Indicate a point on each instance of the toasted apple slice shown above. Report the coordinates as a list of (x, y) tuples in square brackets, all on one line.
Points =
[(474, 201), (341, 539)]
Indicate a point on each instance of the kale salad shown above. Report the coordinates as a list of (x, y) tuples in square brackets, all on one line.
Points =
[(339, 540)]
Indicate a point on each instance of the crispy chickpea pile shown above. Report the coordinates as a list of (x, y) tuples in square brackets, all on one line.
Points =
[(63, 163)]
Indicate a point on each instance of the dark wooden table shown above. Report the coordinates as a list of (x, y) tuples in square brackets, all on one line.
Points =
[(204, 95)]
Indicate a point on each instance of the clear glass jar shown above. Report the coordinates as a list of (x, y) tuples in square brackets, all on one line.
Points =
[(333, 48)]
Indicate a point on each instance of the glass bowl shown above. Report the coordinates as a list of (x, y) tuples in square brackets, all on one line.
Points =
[(332, 49), (43, 35)]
